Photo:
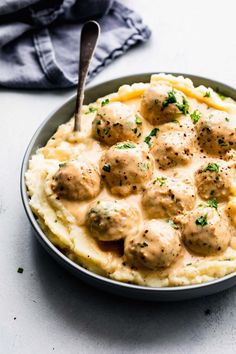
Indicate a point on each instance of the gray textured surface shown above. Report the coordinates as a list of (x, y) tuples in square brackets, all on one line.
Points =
[(56, 313)]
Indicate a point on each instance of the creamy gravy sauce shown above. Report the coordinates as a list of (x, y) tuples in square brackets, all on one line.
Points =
[(92, 151), (83, 146)]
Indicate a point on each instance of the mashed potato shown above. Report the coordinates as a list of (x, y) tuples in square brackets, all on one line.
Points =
[(105, 198)]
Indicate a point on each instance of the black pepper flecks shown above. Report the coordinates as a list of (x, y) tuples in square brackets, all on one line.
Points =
[(207, 312)]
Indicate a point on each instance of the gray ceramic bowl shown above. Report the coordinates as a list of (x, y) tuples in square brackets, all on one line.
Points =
[(45, 131)]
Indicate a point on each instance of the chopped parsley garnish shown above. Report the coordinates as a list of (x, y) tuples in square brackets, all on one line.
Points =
[(202, 220), (20, 270), (207, 94), (126, 145), (226, 119), (222, 96), (195, 116), (104, 102), (91, 109), (213, 167), (171, 223), (161, 180), (106, 167), (170, 99), (62, 164), (184, 106), (106, 131), (144, 166), (138, 120), (148, 139), (189, 264), (212, 203), (175, 121), (98, 122)]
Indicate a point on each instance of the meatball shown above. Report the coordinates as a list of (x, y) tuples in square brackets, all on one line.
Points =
[(205, 232), (173, 148), (216, 133), (76, 180), (125, 167), (156, 247), (162, 104), (182, 124), (168, 197), (116, 122), (112, 220), (214, 180)]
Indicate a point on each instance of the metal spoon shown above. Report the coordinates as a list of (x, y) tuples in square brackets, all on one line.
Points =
[(88, 40)]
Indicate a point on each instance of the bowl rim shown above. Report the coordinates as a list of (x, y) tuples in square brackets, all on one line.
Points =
[(54, 251)]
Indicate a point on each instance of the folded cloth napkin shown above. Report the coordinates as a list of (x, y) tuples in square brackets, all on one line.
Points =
[(39, 39)]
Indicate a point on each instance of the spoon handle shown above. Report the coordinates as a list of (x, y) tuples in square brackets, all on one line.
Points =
[(88, 40)]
